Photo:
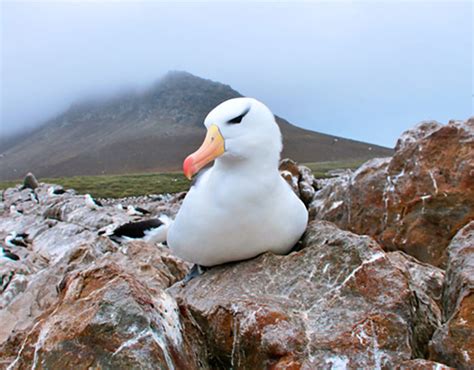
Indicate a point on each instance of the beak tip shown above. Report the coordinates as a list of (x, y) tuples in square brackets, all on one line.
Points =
[(188, 167)]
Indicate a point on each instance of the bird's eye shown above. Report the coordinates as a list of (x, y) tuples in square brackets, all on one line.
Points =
[(238, 119)]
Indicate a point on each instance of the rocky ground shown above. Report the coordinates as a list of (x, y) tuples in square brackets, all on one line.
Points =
[(383, 277)]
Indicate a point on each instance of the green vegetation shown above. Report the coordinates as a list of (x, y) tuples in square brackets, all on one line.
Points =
[(118, 186), (321, 169)]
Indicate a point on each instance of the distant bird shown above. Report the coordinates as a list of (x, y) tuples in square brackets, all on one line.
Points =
[(15, 211), (133, 211), (14, 240), (137, 211), (92, 203), (34, 197), (7, 254), (52, 191), (153, 230), (120, 207), (241, 207)]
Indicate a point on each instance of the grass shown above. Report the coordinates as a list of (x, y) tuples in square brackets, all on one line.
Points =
[(118, 186), (321, 169)]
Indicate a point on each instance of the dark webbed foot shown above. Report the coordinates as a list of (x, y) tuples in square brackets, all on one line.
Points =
[(195, 271)]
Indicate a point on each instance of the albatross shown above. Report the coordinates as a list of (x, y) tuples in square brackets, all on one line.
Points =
[(241, 206)]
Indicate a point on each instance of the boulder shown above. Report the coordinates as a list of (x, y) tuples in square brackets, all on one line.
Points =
[(105, 318), (300, 178), (415, 201), (453, 343), (30, 181), (420, 364), (339, 301), (76, 299)]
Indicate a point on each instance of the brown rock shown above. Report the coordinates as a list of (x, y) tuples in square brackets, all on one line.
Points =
[(300, 178), (338, 301), (453, 343), (420, 364), (290, 166), (106, 317), (30, 181), (425, 277), (414, 202)]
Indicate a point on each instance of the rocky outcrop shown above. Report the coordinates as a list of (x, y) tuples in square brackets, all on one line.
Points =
[(77, 300), (415, 201), (453, 343), (339, 301)]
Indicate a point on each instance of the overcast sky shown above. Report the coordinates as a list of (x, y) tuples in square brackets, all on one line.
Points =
[(363, 70)]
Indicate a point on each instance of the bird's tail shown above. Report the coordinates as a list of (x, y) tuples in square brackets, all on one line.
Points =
[(167, 221)]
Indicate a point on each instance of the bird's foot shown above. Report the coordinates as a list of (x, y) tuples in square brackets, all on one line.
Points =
[(195, 271)]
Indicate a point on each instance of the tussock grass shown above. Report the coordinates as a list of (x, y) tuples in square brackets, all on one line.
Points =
[(118, 186)]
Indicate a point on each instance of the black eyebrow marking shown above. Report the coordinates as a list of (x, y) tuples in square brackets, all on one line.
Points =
[(238, 119)]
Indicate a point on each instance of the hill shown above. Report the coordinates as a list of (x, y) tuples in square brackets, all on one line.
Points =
[(149, 131)]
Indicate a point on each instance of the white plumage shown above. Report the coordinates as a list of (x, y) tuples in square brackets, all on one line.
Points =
[(241, 207)]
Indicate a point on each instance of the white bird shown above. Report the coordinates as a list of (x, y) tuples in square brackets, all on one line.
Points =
[(152, 231), (241, 207), (14, 240), (52, 191), (92, 203), (15, 211), (6, 253), (34, 197), (137, 211)]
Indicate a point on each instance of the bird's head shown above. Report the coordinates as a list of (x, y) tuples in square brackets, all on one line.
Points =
[(240, 129)]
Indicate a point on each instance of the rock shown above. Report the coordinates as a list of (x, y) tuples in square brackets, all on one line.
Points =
[(417, 133), (339, 301), (420, 364), (426, 278), (290, 166), (415, 201), (105, 318), (30, 181), (453, 343), (54, 298), (300, 178)]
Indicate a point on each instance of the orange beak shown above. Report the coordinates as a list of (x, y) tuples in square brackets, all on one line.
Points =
[(211, 148)]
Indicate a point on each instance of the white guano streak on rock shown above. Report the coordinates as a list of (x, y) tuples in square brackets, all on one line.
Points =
[(171, 322), (375, 348), (433, 180), (423, 199), (44, 331), (337, 362), (375, 257), (235, 334), (132, 341), (162, 344), (23, 345), (335, 205)]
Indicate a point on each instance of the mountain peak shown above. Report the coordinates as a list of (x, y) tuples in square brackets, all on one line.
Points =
[(152, 130)]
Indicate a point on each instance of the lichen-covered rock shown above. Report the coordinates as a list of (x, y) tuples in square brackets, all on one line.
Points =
[(338, 301), (453, 343), (415, 201)]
